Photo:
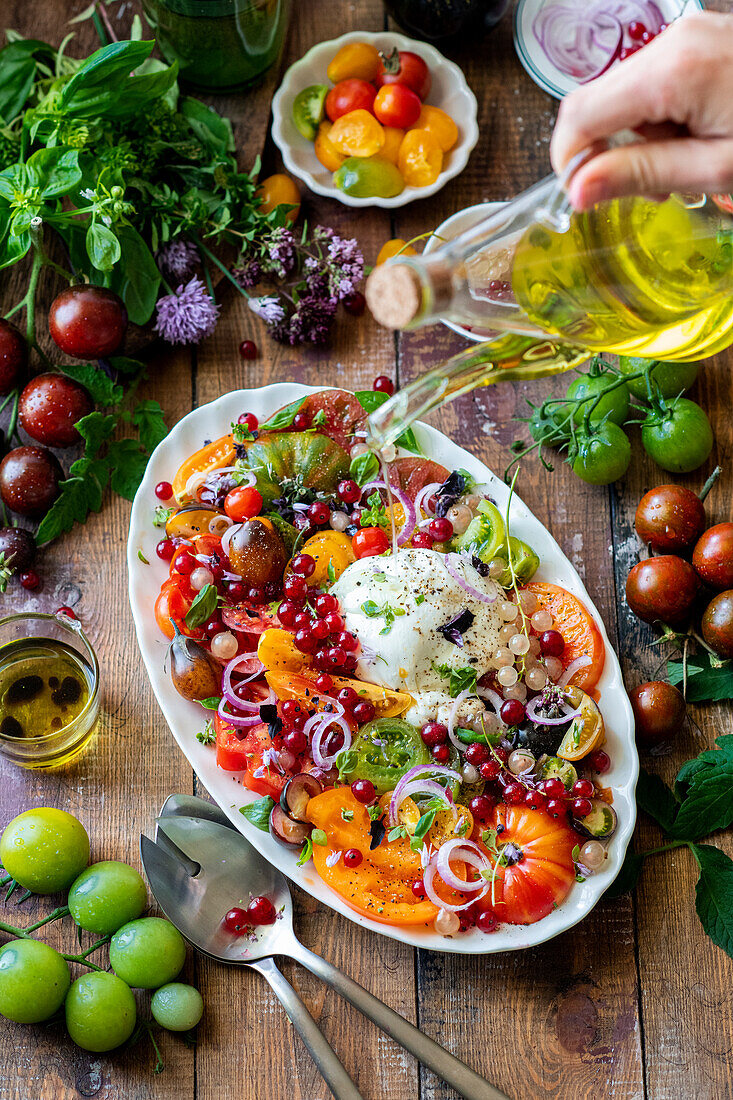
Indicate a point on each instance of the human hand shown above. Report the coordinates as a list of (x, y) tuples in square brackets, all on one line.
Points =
[(677, 93)]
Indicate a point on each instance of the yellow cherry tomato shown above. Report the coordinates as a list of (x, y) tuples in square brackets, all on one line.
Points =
[(392, 141), (393, 248), (355, 59), (421, 158), (357, 134), (439, 124), (329, 157), (279, 190)]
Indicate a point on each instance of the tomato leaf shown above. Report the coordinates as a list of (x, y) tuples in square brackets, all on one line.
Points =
[(95, 429), (284, 417), (714, 894), (258, 812), (80, 494), (654, 797), (706, 682), (147, 416), (128, 464), (202, 608), (708, 802), (102, 390)]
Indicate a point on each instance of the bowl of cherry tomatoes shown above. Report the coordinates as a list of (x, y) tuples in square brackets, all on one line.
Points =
[(374, 119)]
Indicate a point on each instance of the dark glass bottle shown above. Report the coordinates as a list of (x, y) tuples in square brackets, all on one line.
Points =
[(438, 19)]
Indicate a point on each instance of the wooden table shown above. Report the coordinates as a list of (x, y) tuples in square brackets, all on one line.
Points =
[(633, 1003)]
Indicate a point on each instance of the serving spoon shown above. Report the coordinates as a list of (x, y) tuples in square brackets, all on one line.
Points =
[(200, 865)]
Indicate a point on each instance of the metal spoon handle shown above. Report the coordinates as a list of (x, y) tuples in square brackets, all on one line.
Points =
[(331, 1069), (440, 1061)]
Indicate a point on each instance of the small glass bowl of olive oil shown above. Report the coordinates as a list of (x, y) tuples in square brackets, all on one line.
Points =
[(49, 689)]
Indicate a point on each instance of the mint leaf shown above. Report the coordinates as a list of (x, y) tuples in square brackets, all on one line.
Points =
[(258, 812), (80, 494), (364, 468), (708, 803), (128, 464), (714, 894), (202, 608), (102, 390), (654, 797), (705, 681), (627, 877), (147, 416), (284, 417)]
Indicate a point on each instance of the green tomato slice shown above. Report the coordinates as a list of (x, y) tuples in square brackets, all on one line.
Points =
[(309, 110), (386, 749)]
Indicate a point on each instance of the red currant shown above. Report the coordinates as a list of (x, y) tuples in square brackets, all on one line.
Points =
[(30, 580), (302, 422), (502, 753), (440, 753), (434, 733), (214, 626), (334, 622), (535, 800), (636, 30), (514, 793), (552, 643), (336, 656), (236, 590), (236, 921), (486, 922), (295, 588), (325, 684), (248, 350), (581, 807), (477, 754), (364, 712), (295, 741), (481, 807), (318, 512), (512, 712), (349, 491), (599, 761), (303, 619), (304, 565), (67, 611), (383, 384), (304, 641), (363, 791), (286, 613), (255, 595), (418, 888), (553, 788), (348, 698), (583, 788), (261, 911), (326, 603), (184, 562), (319, 630), (490, 770), (352, 857), (164, 490), (422, 541), (165, 549), (440, 529), (289, 708), (556, 808), (355, 303), (347, 641), (250, 421)]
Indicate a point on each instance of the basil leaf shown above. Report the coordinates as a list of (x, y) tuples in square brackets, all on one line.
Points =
[(136, 278), (364, 468), (714, 894), (202, 608), (103, 248), (212, 703), (102, 390), (211, 129), (258, 812), (128, 464), (54, 171), (284, 417), (373, 399), (319, 837), (147, 416), (19, 70), (654, 797), (424, 824), (346, 761), (306, 852), (93, 86)]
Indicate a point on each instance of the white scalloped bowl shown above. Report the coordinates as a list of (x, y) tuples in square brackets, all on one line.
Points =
[(185, 718), (449, 91)]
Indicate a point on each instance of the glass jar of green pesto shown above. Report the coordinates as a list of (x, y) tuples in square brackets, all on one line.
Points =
[(220, 45)]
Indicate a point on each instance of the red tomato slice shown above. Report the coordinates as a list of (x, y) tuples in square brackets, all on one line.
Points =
[(413, 474), (245, 620), (344, 415), (235, 755)]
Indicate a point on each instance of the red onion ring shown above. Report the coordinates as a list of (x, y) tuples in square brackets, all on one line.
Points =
[(420, 769), (469, 589), (492, 697), (452, 721), (226, 681), (410, 520), (422, 498), (541, 720), (559, 29), (241, 721), (579, 662), (420, 786), (470, 853), (428, 877), (227, 536), (320, 732)]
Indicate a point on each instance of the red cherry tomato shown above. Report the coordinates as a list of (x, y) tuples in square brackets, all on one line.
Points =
[(369, 542), (405, 67), (50, 406), (717, 624), (243, 503), (349, 95), (713, 556), (87, 322), (397, 105), (670, 518), (659, 709), (662, 589)]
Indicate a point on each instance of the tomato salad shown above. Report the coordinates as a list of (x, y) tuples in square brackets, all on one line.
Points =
[(412, 708)]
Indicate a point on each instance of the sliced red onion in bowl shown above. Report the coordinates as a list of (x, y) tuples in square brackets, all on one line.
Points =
[(451, 564), (577, 43), (580, 662)]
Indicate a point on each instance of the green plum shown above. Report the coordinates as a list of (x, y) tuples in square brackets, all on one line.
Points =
[(147, 953), (34, 979), (107, 895), (100, 1011), (177, 1007), (44, 849)]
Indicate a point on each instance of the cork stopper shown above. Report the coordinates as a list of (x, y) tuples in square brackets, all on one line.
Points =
[(394, 295)]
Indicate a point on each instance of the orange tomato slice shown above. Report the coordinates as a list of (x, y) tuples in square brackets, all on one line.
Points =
[(387, 703), (575, 623), (211, 457)]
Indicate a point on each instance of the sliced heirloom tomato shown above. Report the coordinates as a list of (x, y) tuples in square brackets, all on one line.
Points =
[(413, 474), (245, 755), (386, 702), (580, 633), (173, 602), (342, 414), (527, 890), (381, 886), (211, 457)]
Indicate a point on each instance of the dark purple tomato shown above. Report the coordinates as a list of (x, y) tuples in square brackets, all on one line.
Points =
[(87, 322), (50, 406), (29, 480), (662, 588), (717, 624), (659, 709), (13, 357), (669, 518), (713, 556), (18, 548)]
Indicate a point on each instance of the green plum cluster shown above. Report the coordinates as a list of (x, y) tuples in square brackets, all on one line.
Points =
[(46, 851)]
